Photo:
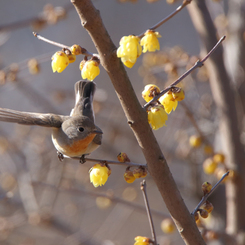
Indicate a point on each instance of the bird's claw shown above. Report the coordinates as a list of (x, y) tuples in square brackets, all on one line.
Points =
[(60, 156), (82, 159)]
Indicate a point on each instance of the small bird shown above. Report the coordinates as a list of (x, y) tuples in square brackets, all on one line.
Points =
[(73, 136)]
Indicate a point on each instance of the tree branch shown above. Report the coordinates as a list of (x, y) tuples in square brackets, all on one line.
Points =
[(137, 118)]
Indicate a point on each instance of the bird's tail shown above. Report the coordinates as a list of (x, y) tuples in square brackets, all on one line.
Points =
[(84, 92)]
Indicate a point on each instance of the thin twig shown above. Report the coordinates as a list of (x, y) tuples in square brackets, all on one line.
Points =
[(132, 164), (199, 63), (205, 197), (185, 2), (60, 45), (143, 188)]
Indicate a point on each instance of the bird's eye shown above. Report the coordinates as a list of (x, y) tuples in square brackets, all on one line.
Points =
[(80, 129)]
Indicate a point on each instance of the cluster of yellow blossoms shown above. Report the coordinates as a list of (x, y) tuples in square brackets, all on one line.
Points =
[(157, 114), (89, 68), (215, 163), (207, 207), (130, 47), (130, 176)]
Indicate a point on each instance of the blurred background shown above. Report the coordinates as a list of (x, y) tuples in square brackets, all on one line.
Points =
[(45, 201)]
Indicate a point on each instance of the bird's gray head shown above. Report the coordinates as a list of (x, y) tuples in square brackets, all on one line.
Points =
[(79, 127)]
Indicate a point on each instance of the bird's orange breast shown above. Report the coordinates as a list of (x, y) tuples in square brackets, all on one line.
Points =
[(79, 147)]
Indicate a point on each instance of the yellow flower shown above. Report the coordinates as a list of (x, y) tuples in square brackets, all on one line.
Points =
[(33, 66), (90, 70), (206, 187), (123, 157), (129, 176), (195, 141), (150, 42), (219, 158), (76, 49), (71, 57), (59, 61), (150, 91), (208, 206), (141, 240), (139, 172), (168, 226), (179, 95), (99, 175), (209, 166), (157, 117), (129, 50), (168, 102)]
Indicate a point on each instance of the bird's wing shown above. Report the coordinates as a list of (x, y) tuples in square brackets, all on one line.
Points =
[(29, 118)]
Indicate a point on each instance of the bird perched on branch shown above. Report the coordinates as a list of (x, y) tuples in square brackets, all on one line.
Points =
[(73, 136)]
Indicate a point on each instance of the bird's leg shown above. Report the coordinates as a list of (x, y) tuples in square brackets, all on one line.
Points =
[(60, 156), (82, 158)]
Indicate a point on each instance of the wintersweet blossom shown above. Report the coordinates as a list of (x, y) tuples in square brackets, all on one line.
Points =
[(129, 50), (150, 91), (179, 94), (129, 176), (99, 175), (157, 117), (72, 58), (150, 41), (59, 61), (90, 70), (141, 240), (168, 102)]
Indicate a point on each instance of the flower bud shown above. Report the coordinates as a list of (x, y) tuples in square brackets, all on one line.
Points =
[(150, 91), (206, 187), (122, 157), (129, 176)]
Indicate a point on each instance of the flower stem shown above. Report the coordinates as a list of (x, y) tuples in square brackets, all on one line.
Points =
[(50, 41), (205, 197), (199, 64), (185, 2), (132, 164), (84, 52)]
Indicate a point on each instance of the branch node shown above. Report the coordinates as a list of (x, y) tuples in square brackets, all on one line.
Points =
[(199, 63), (130, 123)]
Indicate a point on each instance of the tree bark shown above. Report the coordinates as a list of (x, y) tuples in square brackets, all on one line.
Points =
[(137, 119)]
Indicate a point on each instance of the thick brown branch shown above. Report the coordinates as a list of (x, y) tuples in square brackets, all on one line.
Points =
[(157, 164)]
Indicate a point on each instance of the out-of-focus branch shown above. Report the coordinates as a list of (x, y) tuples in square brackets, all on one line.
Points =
[(137, 119), (114, 199), (50, 15), (224, 97), (235, 48)]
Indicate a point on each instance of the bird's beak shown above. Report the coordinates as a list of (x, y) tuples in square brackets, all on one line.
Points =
[(97, 131)]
